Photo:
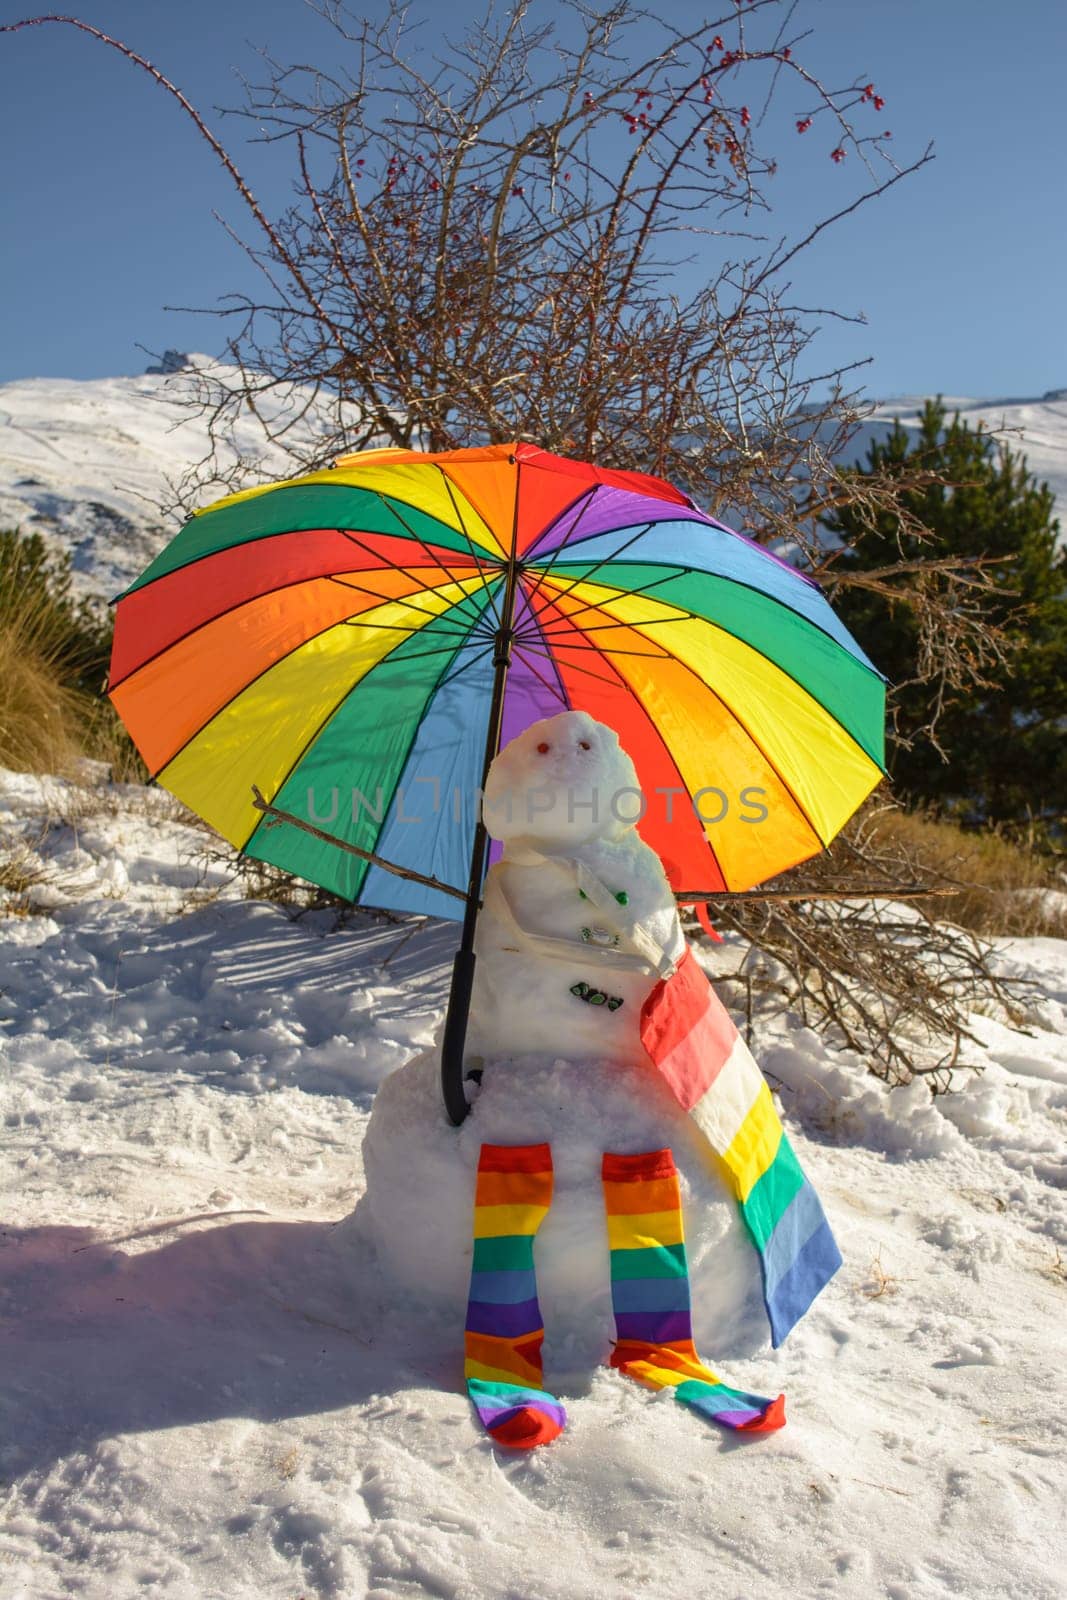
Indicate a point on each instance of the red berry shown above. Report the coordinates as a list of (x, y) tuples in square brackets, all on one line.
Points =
[(878, 102), (837, 155), (804, 124), (517, 191), (746, 116)]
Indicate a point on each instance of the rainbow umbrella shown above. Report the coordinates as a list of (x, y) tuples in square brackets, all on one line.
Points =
[(358, 643)]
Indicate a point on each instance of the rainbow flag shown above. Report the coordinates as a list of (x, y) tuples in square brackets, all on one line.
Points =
[(699, 1053)]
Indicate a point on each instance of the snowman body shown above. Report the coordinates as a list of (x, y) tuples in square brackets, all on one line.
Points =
[(556, 974), (554, 1068)]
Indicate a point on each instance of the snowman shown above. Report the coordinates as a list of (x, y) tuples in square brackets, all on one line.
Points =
[(579, 1157), (557, 970)]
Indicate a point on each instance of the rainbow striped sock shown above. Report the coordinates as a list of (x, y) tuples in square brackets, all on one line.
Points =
[(504, 1330), (650, 1295)]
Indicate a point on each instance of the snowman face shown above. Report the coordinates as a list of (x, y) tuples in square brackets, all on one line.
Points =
[(562, 780)]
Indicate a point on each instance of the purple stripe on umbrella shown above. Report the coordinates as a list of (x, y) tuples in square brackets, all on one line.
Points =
[(504, 1321), (653, 1327), (608, 509), (612, 509)]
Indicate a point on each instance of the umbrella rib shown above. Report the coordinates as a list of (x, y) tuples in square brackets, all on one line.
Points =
[(470, 663), (400, 627), (589, 673), (409, 572), (641, 622), (584, 500), (171, 644), (446, 649), (550, 633), (730, 712), (614, 556), (701, 519), (300, 645), (217, 616), (325, 577), (675, 571), (419, 540), (620, 683), (558, 690), (644, 588), (543, 572), (273, 814), (335, 708), (730, 634), (278, 533), (656, 654), (463, 529), (604, 650), (397, 600), (532, 630)]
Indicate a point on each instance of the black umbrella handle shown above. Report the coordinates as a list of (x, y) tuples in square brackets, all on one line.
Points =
[(454, 1037)]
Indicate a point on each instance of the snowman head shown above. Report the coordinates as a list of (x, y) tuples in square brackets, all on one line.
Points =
[(562, 781)]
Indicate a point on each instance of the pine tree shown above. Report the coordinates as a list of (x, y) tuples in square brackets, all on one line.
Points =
[(999, 752)]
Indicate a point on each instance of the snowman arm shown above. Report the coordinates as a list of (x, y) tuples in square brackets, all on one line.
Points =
[(553, 945), (633, 932), (649, 952)]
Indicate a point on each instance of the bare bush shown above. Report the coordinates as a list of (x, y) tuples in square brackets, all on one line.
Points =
[(895, 980), (563, 231)]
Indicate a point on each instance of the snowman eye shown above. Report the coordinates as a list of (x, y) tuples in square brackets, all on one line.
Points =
[(585, 745), (543, 749)]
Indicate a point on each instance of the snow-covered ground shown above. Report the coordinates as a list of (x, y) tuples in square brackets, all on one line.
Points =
[(92, 462), (202, 1395)]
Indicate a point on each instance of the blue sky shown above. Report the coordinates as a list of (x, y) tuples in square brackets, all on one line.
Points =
[(108, 193)]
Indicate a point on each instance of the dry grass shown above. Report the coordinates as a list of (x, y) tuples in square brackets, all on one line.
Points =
[(42, 719), (21, 870), (1003, 885), (47, 721)]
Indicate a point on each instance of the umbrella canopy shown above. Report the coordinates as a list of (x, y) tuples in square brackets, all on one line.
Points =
[(336, 640)]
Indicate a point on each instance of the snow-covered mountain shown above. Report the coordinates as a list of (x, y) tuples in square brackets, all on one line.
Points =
[(1036, 427), (94, 462)]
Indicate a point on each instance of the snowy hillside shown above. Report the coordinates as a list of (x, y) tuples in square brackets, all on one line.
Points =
[(1036, 427), (205, 1398), (93, 461)]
